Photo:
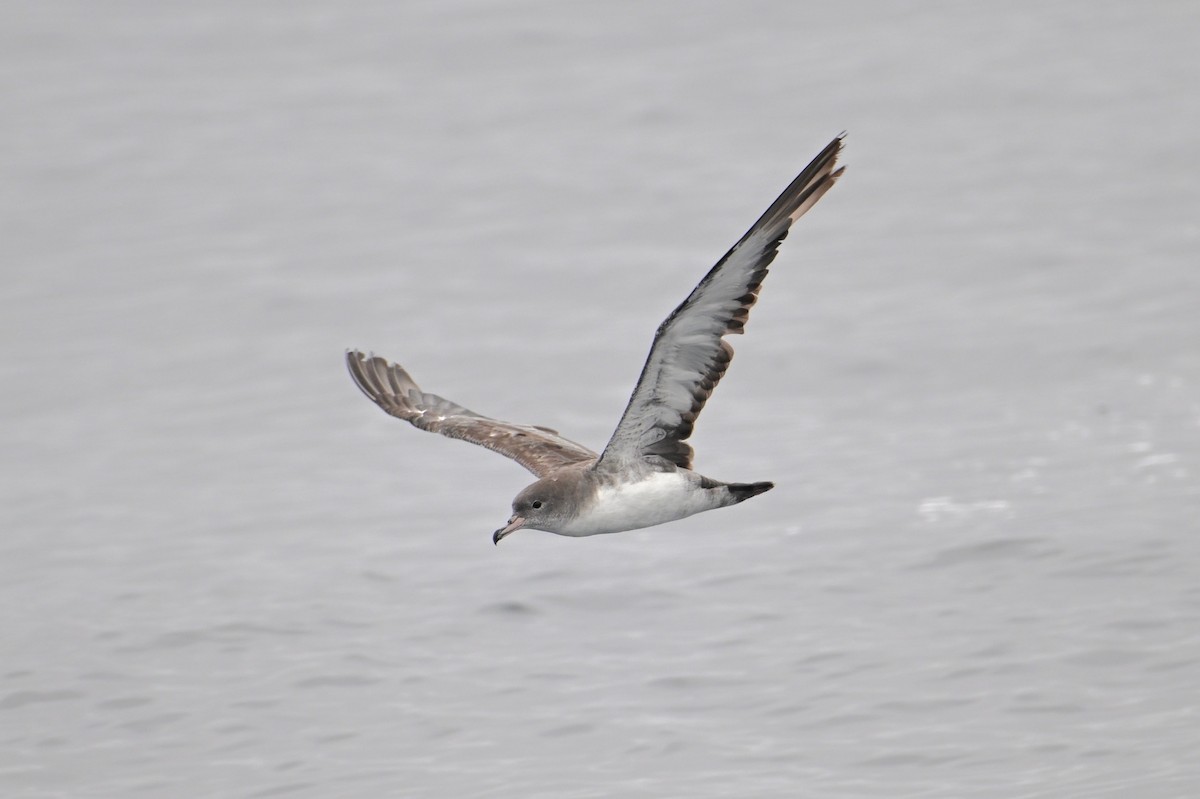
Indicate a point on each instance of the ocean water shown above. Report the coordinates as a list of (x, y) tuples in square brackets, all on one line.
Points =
[(974, 374)]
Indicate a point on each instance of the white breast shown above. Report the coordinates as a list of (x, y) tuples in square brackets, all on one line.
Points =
[(659, 497)]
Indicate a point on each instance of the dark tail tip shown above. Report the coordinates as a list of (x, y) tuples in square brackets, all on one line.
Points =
[(743, 491)]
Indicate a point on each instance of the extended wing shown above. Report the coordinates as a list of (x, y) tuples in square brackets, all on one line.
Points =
[(689, 354), (539, 449)]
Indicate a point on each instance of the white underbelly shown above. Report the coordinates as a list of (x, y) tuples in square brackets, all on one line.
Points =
[(660, 497)]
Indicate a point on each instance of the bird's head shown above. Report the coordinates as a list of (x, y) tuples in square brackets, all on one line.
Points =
[(545, 505)]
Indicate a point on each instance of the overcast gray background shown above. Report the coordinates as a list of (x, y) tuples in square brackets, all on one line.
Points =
[(974, 375)]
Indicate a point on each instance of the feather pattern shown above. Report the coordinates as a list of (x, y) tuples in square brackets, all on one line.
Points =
[(689, 354), (539, 449)]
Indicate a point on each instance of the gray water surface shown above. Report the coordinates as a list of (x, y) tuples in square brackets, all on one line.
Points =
[(974, 375)]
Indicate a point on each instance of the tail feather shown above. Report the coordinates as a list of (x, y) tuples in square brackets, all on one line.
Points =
[(743, 491)]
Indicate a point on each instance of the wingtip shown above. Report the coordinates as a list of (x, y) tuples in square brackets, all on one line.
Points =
[(834, 151), (354, 362)]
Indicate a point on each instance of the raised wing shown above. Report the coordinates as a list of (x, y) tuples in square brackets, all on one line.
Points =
[(689, 354), (539, 449)]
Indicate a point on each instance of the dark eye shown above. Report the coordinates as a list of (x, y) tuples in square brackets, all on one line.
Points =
[(537, 503)]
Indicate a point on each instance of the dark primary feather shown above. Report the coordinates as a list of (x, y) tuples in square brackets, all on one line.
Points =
[(539, 449), (689, 355)]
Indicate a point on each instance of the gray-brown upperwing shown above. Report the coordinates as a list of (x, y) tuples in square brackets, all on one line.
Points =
[(539, 449), (689, 354)]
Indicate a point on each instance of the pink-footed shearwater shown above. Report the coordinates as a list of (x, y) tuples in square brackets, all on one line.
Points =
[(644, 476)]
